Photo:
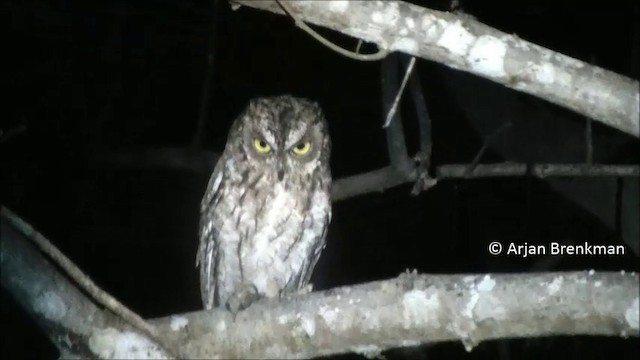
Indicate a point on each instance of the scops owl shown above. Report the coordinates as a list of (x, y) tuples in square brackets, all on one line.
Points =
[(265, 213)]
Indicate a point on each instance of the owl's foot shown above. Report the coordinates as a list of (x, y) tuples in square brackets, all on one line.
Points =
[(302, 291), (242, 299), (305, 289)]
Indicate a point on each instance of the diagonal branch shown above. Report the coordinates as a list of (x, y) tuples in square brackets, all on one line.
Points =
[(423, 157), (75, 325), (76, 274), (461, 42)]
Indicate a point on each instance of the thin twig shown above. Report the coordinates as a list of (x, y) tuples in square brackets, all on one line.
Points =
[(487, 141), (394, 133), (359, 45), (381, 54), (394, 107), (99, 295), (422, 111), (424, 181), (589, 142)]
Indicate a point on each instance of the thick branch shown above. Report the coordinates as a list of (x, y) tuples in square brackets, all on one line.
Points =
[(72, 321), (414, 309), (462, 43), (366, 318)]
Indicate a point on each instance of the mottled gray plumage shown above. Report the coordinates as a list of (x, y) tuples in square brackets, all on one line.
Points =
[(265, 212)]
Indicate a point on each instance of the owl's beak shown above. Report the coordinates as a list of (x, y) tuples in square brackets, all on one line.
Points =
[(280, 168)]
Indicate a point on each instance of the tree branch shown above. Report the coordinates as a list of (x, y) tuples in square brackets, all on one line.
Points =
[(76, 274), (414, 309), (375, 180), (387, 177), (536, 170), (366, 318), (72, 321), (460, 42)]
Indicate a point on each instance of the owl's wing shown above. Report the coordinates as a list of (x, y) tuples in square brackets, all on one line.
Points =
[(207, 257), (316, 248), (213, 186)]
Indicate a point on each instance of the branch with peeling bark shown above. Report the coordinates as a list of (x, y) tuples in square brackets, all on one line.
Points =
[(367, 318), (460, 42)]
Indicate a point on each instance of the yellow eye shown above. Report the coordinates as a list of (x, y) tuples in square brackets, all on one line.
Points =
[(302, 148), (261, 146)]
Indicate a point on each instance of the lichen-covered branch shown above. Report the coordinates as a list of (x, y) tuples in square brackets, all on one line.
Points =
[(73, 322), (414, 309), (367, 318), (463, 43)]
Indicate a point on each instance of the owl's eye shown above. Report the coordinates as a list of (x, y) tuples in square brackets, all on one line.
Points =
[(261, 146), (302, 148)]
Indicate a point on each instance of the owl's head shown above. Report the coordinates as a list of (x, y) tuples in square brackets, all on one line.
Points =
[(284, 136)]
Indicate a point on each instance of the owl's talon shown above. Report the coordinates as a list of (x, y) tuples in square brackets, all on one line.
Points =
[(242, 299), (283, 295), (305, 289)]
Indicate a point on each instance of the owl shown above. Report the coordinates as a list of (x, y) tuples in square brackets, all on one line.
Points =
[(266, 209)]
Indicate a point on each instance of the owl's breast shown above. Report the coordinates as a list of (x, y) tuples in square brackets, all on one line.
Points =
[(278, 221), (271, 228)]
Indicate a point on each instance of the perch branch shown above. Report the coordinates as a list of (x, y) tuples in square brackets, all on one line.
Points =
[(463, 43), (415, 309), (367, 318)]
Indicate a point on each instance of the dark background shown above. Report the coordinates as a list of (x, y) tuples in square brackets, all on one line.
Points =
[(90, 80)]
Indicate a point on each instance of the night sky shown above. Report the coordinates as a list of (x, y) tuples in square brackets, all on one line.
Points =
[(94, 86)]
